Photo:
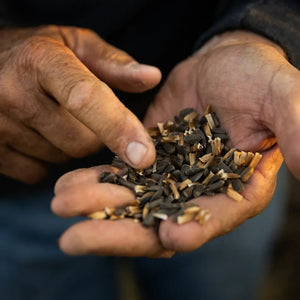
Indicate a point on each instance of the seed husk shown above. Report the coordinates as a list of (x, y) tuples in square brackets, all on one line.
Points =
[(237, 185), (191, 139), (228, 157), (108, 177), (256, 159), (109, 210), (202, 216), (249, 158), (198, 190), (149, 221), (192, 210), (196, 177), (192, 158), (223, 166), (215, 186), (191, 116), (188, 192), (160, 216), (185, 218), (216, 146), (184, 184), (246, 174), (98, 215), (185, 112), (234, 194)]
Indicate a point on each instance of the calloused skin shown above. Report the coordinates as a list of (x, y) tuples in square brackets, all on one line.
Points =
[(255, 92), (56, 100)]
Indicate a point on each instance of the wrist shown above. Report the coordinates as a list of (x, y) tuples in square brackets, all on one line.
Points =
[(236, 37)]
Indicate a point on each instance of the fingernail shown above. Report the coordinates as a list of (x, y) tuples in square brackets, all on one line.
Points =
[(135, 152)]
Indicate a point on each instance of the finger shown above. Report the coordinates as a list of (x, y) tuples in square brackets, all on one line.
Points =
[(106, 237), (86, 198), (39, 112), (61, 129), (226, 214), (94, 104), (28, 142), (21, 167), (110, 64), (81, 176)]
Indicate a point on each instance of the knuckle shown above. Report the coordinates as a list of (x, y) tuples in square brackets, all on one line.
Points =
[(48, 30), (38, 51), (78, 92), (21, 107), (29, 113), (86, 31), (34, 50)]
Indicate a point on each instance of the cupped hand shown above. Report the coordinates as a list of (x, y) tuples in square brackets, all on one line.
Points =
[(79, 193), (56, 101), (253, 89)]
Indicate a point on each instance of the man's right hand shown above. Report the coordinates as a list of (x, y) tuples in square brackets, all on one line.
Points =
[(56, 101)]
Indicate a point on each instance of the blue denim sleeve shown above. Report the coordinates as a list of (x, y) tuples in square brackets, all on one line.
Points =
[(277, 20)]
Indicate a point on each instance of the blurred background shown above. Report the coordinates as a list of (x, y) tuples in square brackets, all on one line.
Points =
[(283, 280)]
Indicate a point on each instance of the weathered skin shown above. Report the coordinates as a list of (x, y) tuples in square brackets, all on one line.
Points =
[(255, 92)]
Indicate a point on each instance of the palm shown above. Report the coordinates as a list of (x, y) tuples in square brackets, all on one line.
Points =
[(228, 80)]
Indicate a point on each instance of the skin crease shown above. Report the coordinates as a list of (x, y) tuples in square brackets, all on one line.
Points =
[(253, 89), (56, 101)]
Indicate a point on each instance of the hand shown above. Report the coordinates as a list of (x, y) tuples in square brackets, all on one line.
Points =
[(56, 101), (251, 86), (253, 89), (235, 73)]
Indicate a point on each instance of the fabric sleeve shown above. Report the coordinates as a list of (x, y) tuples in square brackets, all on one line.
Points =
[(277, 20)]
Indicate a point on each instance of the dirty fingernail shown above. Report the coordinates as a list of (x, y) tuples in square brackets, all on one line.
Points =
[(135, 152)]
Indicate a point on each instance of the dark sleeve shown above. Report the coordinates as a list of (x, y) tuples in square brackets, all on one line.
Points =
[(277, 20)]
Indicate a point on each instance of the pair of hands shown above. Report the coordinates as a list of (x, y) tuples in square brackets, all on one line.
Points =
[(246, 78)]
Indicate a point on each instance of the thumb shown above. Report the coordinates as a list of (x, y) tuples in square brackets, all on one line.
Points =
[(285, 89), (110, 64)]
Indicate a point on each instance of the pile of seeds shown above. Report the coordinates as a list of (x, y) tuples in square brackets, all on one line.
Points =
[(191, 160)]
